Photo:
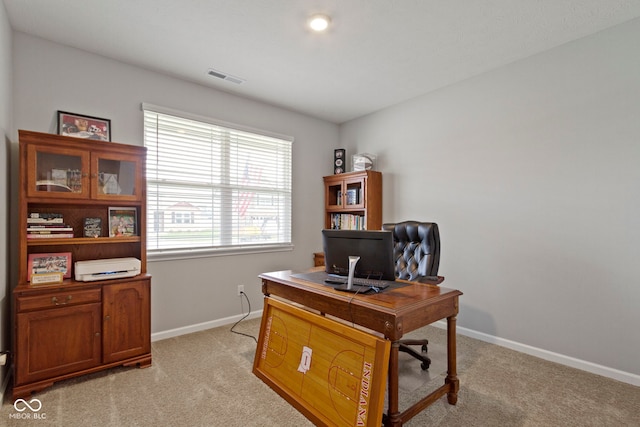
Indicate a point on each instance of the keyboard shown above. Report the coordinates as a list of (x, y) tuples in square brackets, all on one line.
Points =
[(360, 285)]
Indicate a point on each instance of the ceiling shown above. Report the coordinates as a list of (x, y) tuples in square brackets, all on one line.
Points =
[(376, 53)]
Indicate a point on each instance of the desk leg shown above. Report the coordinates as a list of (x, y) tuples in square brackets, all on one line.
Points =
[(452, 374), (393, 414)]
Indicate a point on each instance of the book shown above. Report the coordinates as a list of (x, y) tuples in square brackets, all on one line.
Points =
[(48, 215), (44, 220), (61, 231), (48, 218), (50, 236), (49, 229)]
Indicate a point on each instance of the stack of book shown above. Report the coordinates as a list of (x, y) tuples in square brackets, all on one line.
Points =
[(47, 226), (347, 222)]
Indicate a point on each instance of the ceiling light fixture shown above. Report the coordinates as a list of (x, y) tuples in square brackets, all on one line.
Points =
[(319, 22)]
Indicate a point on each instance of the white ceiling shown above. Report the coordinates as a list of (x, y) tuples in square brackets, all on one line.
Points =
[(377, 52)]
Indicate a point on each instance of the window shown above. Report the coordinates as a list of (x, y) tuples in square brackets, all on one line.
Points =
[(214, 186)]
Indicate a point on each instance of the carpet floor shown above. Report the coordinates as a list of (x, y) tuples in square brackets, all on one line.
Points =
[(205, 379)]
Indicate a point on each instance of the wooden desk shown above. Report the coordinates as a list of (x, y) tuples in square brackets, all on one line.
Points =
[(392, 313)]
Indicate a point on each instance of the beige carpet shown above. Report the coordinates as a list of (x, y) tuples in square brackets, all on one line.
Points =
[(205, 379)]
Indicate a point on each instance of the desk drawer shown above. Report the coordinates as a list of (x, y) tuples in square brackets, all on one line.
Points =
[(58, 299)]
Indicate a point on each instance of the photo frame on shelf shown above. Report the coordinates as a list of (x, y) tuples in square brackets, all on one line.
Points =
[(40, 265), (46, 278), (83, 126), (122, 221), (92, 227)]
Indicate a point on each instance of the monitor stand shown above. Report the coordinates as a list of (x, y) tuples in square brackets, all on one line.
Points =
[(353, 260)]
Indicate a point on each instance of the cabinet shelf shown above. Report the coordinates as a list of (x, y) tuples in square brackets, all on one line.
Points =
[(67, 285), (348, 209), (84, 241)]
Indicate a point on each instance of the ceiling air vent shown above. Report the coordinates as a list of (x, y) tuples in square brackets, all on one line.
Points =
[(224, 76)]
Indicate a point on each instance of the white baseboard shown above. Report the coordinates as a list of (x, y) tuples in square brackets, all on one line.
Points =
[(202, 326), (583, 365), (626, 377)]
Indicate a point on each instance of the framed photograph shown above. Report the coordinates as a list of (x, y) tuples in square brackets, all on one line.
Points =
[(42, 264), (81, 126), (92, 227), (122, 222)]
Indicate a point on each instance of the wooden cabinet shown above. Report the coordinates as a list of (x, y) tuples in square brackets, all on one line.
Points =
[(66, 329), (127, 320), (57, 340), (353, 200)]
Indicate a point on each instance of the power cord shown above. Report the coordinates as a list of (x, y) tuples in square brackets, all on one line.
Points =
[(244, 317), (353, 323)]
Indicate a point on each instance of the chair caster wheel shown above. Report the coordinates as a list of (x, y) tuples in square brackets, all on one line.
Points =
[(424, 366), (424, 348)]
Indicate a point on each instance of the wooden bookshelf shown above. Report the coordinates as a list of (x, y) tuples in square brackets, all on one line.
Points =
[(70, 328), (353, 200)]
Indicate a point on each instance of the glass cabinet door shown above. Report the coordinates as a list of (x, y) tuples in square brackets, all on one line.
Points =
[(57, 172), (115, 178), (353, 197), (333, 195)]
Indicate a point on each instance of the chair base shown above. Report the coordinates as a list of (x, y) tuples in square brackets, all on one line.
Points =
[(421, 356)]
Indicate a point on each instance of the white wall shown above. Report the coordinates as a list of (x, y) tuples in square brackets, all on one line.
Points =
[(533, 173), (5, 133), (50, 77)]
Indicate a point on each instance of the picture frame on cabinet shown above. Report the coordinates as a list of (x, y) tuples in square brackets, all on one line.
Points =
[(122, 221), (42, 264), (92, 227), (83, 126)]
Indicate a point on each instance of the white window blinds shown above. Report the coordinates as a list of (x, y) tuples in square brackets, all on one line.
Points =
[(214, 186)]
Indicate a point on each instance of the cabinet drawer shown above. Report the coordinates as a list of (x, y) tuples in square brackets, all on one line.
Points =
[(58, 299)]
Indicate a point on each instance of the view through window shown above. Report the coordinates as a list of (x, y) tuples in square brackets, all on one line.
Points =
[(214, 186)]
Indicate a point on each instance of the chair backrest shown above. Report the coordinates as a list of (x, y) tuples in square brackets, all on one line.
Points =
[(416, 249)]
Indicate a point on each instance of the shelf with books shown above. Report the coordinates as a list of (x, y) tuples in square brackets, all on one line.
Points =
[(347, 221), (353, 200)]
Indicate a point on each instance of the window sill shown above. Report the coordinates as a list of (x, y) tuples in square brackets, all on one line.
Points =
[(186, 253)]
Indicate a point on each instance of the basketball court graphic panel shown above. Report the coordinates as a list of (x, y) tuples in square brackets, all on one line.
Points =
[(334, 374)]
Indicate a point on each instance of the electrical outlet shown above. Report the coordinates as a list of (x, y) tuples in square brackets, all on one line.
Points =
[(240, 289)]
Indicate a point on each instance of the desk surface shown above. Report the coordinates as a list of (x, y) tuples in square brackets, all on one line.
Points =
[(392, 312)]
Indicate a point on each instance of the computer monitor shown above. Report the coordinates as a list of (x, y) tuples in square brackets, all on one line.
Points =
[(375, 249)]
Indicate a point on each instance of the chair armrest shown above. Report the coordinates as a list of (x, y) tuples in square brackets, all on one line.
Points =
[(431, 280)]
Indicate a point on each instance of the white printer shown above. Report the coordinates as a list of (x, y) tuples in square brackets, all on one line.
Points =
[(103, 269)]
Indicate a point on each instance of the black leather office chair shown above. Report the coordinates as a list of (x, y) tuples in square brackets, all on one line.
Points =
[(417, 257)]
